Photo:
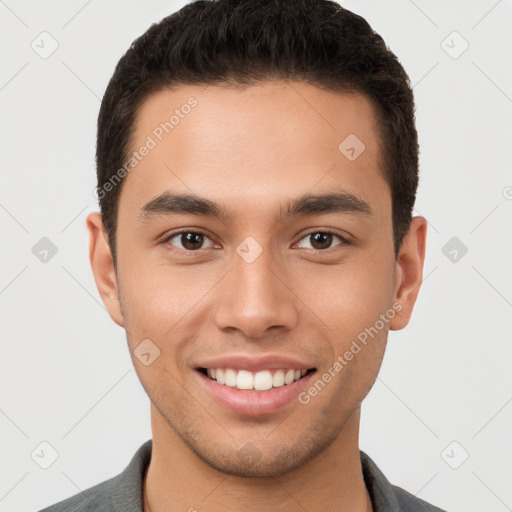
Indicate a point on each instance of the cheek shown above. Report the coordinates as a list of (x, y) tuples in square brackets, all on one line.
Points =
[(159, 298), (349, 297)]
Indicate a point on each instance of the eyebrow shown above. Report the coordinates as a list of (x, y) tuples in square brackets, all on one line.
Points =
[(169, 203)]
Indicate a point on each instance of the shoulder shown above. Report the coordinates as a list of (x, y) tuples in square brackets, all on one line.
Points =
[(409, 502), (387, 497), (120, 493), (98, 497)]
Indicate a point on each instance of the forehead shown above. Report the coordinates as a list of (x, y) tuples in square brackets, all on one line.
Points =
[(233, 143)]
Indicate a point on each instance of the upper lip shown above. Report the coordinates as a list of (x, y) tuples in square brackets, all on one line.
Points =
[(254, 362)]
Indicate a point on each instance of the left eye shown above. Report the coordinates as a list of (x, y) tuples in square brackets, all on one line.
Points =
[(321, 240), (189, 240)]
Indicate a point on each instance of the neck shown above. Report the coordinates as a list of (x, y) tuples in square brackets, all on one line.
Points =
[(177, 477)]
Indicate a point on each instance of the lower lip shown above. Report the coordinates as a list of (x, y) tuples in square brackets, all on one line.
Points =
[(254, 403)]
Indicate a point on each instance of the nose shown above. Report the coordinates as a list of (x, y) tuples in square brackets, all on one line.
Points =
[(255, 298)]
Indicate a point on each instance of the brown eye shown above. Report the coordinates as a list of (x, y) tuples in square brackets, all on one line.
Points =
[(188, 240), (321, 240)]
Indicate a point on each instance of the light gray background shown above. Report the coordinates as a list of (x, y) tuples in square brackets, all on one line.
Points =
[(65, 373)]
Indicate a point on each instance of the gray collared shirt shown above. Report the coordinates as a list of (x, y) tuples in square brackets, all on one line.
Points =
[(123, 493)]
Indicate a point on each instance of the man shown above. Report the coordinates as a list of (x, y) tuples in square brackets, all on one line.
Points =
[(257, 168)]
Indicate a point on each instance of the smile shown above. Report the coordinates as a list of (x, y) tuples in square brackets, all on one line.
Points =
[(262, 380), (254, 393)]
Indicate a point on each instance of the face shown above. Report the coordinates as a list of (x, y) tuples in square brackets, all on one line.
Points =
[(255, 248)]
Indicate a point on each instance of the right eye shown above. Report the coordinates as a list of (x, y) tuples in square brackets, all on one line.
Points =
[(188, 240)]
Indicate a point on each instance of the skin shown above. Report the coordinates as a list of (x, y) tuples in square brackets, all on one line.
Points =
[(250, 150)]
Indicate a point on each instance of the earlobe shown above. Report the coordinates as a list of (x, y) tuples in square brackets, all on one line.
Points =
[(409, 271), (102, 266)]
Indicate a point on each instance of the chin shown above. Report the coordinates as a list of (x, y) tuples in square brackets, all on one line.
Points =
[(263, 458)]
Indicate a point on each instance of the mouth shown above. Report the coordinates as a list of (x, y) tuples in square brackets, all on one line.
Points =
[(259, 381), (254, 392)]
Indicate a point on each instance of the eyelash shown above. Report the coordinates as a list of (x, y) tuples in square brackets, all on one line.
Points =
[(166, 241)]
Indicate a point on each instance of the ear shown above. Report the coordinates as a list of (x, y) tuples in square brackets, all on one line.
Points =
[(409, 271), (103, 266)]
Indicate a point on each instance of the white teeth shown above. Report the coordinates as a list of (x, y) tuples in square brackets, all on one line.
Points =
[(278, 379), (259, 381), (262, 380), (244, 380), (230, 377), (289, 377)]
